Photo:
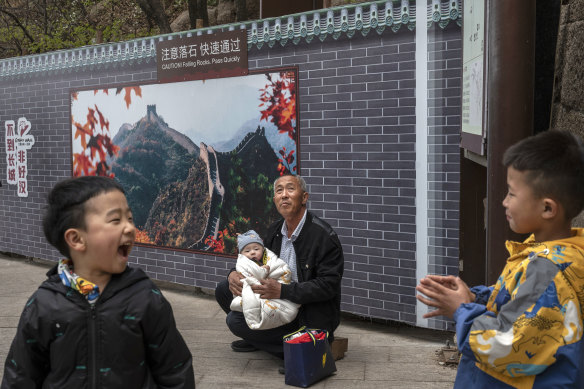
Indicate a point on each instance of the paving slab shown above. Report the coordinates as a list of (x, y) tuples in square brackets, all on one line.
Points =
[(382, 384), (379, 355)]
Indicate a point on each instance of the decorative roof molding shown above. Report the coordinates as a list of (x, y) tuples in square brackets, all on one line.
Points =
[(444, 12), (334, 22)]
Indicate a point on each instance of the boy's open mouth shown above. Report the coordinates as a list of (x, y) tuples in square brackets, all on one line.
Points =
[(124, 250)]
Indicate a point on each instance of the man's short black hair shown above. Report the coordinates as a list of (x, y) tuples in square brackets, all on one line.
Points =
[(66, 206), (553, 162)]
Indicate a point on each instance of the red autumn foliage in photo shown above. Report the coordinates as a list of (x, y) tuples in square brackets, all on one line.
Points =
[(128, 96), (279, 102), (142, 237), (216, 245), (95, 139), (285, 162)]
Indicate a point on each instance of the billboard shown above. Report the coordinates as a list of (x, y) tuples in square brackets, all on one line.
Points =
[(197, 159)]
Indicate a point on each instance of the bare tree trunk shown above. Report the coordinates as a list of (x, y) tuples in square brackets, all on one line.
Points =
[(240, 10), (192, 4), (203, 14), (198, 10), (155, 11), (98, 35)]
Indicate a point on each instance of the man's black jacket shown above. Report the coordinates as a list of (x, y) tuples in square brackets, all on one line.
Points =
[(319, 264)]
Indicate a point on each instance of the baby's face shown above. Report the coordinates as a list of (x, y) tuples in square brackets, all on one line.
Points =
[(253, 251)]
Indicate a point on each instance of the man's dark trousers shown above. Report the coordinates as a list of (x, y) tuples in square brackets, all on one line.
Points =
[(267, 340)]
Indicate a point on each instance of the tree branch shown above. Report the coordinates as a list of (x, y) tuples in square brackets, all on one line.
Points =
[(154, 10), (18, 23)]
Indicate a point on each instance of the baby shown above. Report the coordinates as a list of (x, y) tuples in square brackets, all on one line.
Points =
[(252, 247), (255, 262)]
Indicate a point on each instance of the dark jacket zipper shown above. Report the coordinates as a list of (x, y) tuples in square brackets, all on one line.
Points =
[(93, 348)]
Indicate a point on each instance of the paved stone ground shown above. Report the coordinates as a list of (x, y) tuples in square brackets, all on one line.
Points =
[(379, 355)]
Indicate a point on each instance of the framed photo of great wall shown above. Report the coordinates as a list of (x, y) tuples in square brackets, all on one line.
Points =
[(197, 159)]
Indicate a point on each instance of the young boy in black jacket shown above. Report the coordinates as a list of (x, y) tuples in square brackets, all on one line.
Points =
[(95, 322)]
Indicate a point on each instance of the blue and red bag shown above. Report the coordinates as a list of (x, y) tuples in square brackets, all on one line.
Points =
[(307, 357)]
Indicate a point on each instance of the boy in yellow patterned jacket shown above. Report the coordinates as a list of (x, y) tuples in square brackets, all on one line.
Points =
[(526, 330)]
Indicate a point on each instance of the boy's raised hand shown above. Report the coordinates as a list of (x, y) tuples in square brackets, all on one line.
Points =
[(445, 293)]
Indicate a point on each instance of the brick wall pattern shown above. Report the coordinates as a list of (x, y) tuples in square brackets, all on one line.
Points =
[(358, 151), (444, 102)]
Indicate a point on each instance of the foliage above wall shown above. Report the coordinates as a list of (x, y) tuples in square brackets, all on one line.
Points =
[(325, 24)]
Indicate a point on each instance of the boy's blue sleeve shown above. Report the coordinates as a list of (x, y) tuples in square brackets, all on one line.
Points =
[(464, 317), (27, 363), (466, 313), (482, 293), (168, 356)]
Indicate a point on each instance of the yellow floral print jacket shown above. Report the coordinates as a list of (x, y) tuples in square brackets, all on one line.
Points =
[(526, 330)]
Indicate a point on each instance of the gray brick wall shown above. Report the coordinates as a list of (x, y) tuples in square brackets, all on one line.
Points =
[(357, 153), (444, 94)]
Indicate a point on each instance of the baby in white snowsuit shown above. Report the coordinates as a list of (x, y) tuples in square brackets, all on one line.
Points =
[(256, 262)]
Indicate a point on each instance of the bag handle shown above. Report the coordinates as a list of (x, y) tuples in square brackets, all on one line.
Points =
[(295, 332), (308, 331)]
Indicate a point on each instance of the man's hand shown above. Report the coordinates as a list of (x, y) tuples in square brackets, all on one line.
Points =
[(446, 293), (268, 289), (235, 283)]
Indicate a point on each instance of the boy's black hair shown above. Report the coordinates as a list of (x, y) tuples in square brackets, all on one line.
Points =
[(66, 206), (553, 162)]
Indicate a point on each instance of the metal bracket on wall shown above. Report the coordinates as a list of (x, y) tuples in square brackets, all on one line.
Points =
[(477, 158)]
